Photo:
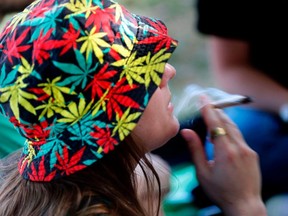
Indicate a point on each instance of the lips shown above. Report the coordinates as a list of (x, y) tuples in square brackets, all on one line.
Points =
[(170, 107)]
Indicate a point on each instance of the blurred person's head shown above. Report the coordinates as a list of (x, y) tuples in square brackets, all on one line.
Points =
[(12, 6), (86, 84)]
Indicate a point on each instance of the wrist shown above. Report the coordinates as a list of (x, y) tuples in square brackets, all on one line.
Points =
[(246, 208)]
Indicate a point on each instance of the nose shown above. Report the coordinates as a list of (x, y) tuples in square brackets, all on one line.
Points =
[(168, 74), (170, 70)]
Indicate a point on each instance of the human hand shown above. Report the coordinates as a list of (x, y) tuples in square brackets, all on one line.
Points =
[(232, 179)]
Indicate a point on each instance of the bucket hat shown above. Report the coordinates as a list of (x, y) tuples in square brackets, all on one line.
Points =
[(75, 77)]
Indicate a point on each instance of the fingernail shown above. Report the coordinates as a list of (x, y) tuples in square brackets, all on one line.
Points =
[(202, 101), (186, 135)]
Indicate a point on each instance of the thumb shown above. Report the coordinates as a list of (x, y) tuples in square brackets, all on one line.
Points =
[(196, 149)]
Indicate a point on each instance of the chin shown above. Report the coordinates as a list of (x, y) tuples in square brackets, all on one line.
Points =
[(170, 130), (173, 129), (176, 127)]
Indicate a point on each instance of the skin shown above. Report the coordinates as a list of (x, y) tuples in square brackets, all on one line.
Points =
[(233, 179), (158, 122), (231, 68), (156, 126)]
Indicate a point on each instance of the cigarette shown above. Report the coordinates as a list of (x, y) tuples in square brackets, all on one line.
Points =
[(231, 101)]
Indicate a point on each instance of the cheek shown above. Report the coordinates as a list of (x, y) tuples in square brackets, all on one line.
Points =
[(157, 124), (152, 133)]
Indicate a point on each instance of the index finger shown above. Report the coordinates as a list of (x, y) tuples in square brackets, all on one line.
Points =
[(214, 122)]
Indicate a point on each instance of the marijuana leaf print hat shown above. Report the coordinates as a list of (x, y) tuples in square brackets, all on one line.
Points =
[(75, 77)]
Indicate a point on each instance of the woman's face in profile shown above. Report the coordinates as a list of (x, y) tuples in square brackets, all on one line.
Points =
[(158, 124)]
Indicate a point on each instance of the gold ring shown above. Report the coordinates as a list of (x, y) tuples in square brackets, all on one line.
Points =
[(217, 131)]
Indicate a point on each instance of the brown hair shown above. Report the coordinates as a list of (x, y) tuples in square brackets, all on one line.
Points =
[(105, 188)]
